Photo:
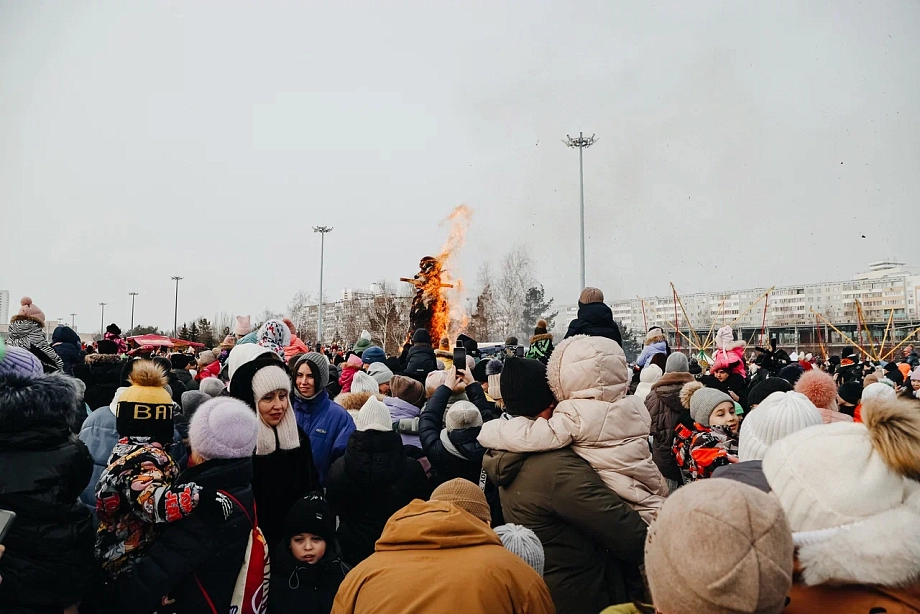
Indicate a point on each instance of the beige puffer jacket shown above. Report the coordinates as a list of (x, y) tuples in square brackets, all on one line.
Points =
[(589, 378)]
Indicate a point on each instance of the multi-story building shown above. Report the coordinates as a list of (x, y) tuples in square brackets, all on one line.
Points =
[(4, 306), (888, 290)]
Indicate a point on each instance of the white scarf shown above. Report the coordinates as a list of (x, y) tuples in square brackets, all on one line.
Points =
[(286, 434)]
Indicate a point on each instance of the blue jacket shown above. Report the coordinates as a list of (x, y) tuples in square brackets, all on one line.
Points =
[(328, 425), (659, 347), (100, 436)]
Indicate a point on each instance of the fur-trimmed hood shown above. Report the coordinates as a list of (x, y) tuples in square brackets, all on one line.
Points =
[(92, 359), (19, 318), (883, 549), (543, 337), (442, 354), (36, 402), (354, 401)]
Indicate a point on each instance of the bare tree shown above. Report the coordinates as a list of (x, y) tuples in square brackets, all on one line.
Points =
[(515, 277), (224, 323), (481, 320), (388, 316), (303, 309)]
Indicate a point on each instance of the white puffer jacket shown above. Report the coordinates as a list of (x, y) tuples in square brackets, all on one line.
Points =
[(589, 378)]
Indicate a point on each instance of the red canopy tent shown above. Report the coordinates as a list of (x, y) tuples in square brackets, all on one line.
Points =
[(163, 341)]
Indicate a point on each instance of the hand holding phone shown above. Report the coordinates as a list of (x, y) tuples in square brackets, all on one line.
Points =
[(6, 520), (460, 358)]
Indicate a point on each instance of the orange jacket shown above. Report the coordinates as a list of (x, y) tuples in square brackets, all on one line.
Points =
[(852, 599), (297, 347)]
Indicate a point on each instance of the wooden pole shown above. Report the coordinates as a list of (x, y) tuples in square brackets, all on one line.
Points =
[(745, 312), (842, 334), (684, 311), (820, 341), (712, 327), (644, 319), (898, 346), (865, 325), (763, 323), (881, 348), (675, 315), (671, 324)]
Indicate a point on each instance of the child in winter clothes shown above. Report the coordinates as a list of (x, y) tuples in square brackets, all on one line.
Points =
[(713, 440), (589, 378), (729, 352), (306, 567), (113, 333), (133, 494), (655, 343), (349, 368)]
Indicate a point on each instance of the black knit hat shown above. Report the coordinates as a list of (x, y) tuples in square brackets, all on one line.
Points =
[(525, 390), (767, 387), (310, 515), (851, 392), (106, 346), (479, 372), (421, 336)]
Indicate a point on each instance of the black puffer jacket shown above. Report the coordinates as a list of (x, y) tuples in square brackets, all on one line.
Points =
[(420, 361), (664, 408), (595, 320), (201, 548), (467, 462), (367, 485), (300, 588), (101, 373), (49, 562), (67, 344)]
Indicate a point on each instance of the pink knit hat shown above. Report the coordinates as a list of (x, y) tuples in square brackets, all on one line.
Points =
[(31, 311), (223, 427), (243, 327)]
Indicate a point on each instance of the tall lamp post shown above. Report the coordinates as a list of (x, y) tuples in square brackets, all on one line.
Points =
[(322, 230), (132, 295), (177, 279), (102, 320), (73, 320), (581, 142)]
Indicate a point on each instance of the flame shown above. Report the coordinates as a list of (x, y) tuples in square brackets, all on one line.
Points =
[(449, 317)]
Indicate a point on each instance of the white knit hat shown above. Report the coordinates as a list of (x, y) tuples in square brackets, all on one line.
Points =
[(374, 416), (268, 379), (363, 382), (241, 354), (878, 390), (495, 386), (380, 372), (462, 415), (524, 543), (779, 415)]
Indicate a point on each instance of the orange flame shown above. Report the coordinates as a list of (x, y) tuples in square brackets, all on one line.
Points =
[(449, 317)]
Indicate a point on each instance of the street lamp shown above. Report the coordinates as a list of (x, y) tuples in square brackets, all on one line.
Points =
[(177, 279), (132, 295), (73, 319), (102, 320), (322, 230), (581, 141)]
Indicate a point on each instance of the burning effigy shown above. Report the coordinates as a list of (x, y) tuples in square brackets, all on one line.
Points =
[(437, 306)]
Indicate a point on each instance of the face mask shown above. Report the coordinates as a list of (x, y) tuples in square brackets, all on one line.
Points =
[(193, 373)]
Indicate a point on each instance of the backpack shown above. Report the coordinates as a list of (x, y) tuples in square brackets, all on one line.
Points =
[(250, 594)]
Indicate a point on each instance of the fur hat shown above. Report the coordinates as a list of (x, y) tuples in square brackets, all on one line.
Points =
[(701, 401), (211, 386), (591, 295), (465, 495), (380, 372), (373, 354), (243, 327), (362, 382), (740, 536), (462, 415), (145, 409), (408, 390), (113, 329), (677, 363), (30, 311), (268, 379), (223, 428), (313, 515), (780, 414), (444, 344), (18, 362), (524, 388), (524, 543), (540, 328), (851, 495), (767, 387), (421, 336), (820, 389), (374, 416)]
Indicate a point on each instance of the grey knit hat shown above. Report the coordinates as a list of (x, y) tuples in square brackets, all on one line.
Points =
[(319, 365), (677, 363), (462, 415), (701, 400), (524, 543), (211, 386), (192, 399)]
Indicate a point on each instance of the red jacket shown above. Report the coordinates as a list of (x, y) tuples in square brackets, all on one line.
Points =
[(212, 370), (297, 347)]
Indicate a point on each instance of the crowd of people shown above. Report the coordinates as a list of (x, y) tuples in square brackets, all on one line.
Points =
[(264, 475)]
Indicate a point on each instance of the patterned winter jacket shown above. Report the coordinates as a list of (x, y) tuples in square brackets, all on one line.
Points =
[(701, 451), (133, 496)]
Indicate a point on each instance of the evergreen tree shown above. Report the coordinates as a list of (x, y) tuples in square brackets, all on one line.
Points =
[(184, 332), (206, 333), (537, 308), (632, 342), (145, 330), (193, 332)]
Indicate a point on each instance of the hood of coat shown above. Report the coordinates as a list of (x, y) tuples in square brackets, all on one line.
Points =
[(374, 458), (442, 354), (543, 337), (466, 442), (434, 525), (503, 467), (354, 401), (27, 404), (883, 549), (104, 359), (400, 409), (25, 327), (672, 380), (595, 313), (583, 367), (65, 334)]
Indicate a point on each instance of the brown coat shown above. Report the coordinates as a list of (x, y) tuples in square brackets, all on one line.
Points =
[(852, 599), (663, 404), (434, 557)]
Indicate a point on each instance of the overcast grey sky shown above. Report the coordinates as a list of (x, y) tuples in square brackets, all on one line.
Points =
[(741, 144)]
